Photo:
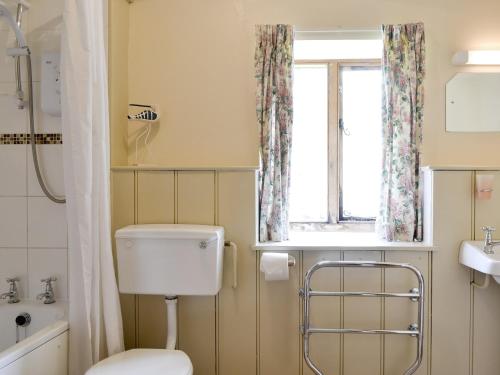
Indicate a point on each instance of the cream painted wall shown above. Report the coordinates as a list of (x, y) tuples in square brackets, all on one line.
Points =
[(195, 59), (118, 26), (254, 329)]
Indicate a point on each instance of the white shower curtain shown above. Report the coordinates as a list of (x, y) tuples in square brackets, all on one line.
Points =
[(94, 314)]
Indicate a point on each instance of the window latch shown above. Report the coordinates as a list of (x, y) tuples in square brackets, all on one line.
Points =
[(343, 128)]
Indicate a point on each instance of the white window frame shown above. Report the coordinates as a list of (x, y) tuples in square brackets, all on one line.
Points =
[(335, 220)]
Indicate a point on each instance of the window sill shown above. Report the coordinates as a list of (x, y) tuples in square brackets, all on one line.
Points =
[(346, 241)]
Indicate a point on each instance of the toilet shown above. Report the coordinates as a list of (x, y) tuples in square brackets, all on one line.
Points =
[(169, 260), (145, 361)]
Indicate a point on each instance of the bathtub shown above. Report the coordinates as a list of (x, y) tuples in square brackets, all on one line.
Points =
[(43, 345)]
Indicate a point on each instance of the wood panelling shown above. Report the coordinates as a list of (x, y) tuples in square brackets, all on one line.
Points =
[(237, 318), (325, 312), (399, 313), (123, 213), (254, 329), (451, 296), (362, 353), (197, 315), (196, 197), (155, 197), (487, 301), (279, 321), (155, 204)]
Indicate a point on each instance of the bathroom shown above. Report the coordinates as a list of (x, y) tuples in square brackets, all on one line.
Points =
[(192, 152)]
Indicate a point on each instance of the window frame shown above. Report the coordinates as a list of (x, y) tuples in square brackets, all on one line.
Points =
[(335, 216)]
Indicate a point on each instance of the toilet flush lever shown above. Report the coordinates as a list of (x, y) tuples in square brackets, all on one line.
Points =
[(204, 244)]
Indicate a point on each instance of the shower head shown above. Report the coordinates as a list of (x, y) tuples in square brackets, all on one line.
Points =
[(11, 21)]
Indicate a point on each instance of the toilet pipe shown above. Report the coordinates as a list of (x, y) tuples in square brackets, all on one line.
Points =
[(171, 302)]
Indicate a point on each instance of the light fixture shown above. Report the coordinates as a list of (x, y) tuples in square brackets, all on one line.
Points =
[(477, 57)]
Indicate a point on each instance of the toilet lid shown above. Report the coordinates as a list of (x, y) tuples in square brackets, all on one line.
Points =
[(144, 362)]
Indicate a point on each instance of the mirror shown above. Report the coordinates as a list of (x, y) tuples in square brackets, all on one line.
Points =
[(473, 103)]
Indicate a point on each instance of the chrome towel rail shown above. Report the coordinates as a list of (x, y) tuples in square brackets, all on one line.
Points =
[(417, 295)]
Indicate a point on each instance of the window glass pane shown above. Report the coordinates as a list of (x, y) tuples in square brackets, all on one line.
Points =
[(309, 172), (361, 141), (337, 49)]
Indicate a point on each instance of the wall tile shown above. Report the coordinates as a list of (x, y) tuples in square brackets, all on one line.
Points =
[(13, 170), (51, 165), (43, 263), (14, 120), (46, 15), (46, 220), (43, 40), (11, 5), (13, 222), (7, 40), (14, 263), (46, 223)]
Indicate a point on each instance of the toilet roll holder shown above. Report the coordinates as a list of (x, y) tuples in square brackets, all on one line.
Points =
[(275, 266)]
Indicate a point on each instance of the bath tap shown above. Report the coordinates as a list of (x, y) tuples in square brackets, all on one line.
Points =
[(48, 294), (488, 243), (12, 296)]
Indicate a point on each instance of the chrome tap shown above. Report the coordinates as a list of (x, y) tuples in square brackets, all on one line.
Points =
[(488, 242), (12, 296), (47, 296)]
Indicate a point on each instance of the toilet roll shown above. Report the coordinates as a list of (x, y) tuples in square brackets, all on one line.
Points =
[(274, 266)]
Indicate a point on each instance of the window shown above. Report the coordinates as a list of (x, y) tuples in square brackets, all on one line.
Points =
[(337, 139)]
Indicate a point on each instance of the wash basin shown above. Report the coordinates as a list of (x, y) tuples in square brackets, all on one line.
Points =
[(472, 255)]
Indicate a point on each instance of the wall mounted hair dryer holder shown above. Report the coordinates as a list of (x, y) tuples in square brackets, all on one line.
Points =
[(150, 113)]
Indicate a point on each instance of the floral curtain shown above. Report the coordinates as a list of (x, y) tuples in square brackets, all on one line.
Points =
[(403, 71), (274, 75)]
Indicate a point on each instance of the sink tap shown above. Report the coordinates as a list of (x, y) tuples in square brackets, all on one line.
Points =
[(12, 296), (488, 242), (47, 296)]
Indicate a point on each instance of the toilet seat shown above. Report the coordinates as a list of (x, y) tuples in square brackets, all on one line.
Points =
[(144, 362)]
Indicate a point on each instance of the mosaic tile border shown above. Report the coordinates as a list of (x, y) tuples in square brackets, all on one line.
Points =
[(24, 139)]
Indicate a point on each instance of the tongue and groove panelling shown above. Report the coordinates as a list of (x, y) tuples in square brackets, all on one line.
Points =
[(254, 329)]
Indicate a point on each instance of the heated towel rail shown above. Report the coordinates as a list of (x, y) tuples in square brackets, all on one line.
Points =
[(417, 295)]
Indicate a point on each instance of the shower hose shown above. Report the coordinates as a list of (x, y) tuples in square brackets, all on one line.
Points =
[(36, 162)]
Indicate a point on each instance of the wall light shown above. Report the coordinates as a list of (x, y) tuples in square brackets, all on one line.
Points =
[(478, 57)]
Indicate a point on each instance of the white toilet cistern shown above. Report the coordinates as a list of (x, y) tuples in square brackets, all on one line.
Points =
[(169, 260)]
